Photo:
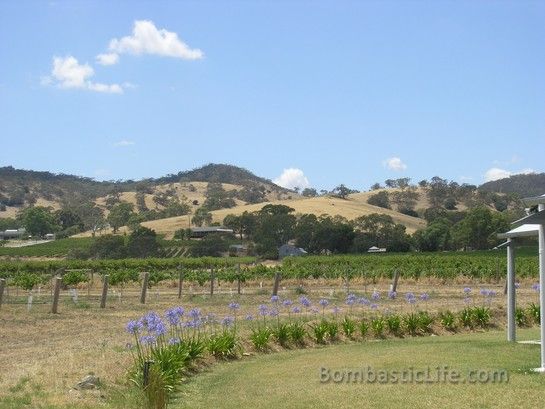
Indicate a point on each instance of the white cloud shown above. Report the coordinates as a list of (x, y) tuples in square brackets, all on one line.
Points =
[(394, 163), (497, 173), (292, 178), (124, 142), (147, 39), (112, 88), (67, 72), (107, 59)]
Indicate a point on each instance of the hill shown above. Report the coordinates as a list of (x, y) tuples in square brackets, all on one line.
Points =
[(532, 184), (20, 188)]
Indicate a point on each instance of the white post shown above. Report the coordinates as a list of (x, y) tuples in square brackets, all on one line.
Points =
[(541, 231), (511, 325)]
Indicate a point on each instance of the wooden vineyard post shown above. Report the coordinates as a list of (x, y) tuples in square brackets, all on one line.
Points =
[(180, 283), (144, 288), (104, 291), (238, 279), (2, 286), (212, 277), (396, 279), (90, 283), (56, 295), (277, 277)]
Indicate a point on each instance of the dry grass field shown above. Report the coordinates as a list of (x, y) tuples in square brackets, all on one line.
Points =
[(354, 206)]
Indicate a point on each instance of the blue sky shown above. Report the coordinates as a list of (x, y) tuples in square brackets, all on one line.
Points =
[(349, 92)]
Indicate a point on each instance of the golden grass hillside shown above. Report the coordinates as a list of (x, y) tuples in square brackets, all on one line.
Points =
[(354, 206)]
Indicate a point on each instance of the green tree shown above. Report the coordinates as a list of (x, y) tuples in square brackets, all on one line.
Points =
[(342, 191), (309, 192), (212, 245), (380, 199), (67, 218), (120, 215), (142, 243), (108, 246), (479, 228), (38, 221), (436, 236), (202, 216)]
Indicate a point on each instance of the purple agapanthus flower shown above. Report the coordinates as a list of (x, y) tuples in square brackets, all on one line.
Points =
[(227, 322), (350, 301), (249, 317), (305, 302), (148, 340), (375, 296), (275, 299), (173, 317), (134, 327), (160, 328), (195, 313), (296, 310), (424, 296), (409, 296), (364, 301), (535, 287), (374, 306), (467, 290), (392, 295), (485, 292), (151, 320), (234, 306), (174, 341), (323, 302), (287, 303), (263, 310), (273, 312)]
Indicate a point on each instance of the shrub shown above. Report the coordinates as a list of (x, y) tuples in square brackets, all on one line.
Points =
[(377, 326), (224, 345), (466, 317), (73, 278), (520, 317), (534, 312), (320, 332), (448, 321), (27, 281), (282, 334), (411, 322), (332, 330), (394, 324), (297, 333), (425, 322), (364, 328), (482, 316), (260, 338), (349, 327)]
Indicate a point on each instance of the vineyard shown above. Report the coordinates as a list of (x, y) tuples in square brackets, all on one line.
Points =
[(480, 266)]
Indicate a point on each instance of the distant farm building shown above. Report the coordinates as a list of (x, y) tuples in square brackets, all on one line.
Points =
[(288, 250), (11, 234), (375, 249), (200, 232)]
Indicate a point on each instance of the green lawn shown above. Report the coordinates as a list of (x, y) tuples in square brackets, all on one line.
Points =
[(54, 248), (291, 379)]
